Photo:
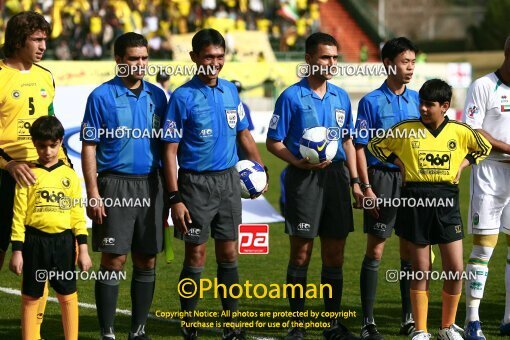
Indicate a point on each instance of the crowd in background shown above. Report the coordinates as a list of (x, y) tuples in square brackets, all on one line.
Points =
[(86, 29)]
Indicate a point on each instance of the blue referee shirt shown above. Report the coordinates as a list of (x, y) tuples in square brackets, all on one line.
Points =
[(204, 121), (125, 127), (381, 109), (299, 108)]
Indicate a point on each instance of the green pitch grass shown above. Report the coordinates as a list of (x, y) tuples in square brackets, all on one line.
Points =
[(269, 269)]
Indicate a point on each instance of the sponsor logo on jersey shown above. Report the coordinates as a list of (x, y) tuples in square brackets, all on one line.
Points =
[(434, 160)]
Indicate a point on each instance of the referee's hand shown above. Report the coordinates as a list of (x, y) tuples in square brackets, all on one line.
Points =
[(180, 217), (21, 173), (96, 212)]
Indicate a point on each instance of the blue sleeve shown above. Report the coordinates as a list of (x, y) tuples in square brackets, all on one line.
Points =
[(251, 127), (174, 118), (348, 126), (280, 121), (363, 123), (92, 119)]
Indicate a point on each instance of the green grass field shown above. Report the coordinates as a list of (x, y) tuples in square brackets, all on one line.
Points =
[(268, 269)]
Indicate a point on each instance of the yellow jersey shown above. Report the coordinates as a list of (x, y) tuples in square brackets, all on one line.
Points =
[(430, 155), (24, 97), (52, 205)]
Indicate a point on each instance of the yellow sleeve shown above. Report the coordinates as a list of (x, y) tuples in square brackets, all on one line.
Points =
[(18, 220), (78, 224), (383, 148), (478, 147)]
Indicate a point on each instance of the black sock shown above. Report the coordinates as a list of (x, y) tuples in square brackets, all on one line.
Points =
[(142, 291), (194, 273), (106, 292), (296, 275), (334, 277), (405, 287), (228, 275), (368, 287)]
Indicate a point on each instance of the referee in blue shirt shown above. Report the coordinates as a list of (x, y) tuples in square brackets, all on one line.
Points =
[(121, 161), (205, 117), (317, 200), (378, 111)]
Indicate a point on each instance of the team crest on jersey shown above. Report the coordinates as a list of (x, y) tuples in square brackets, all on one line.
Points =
[(452, 144), (44, 94), (231, 118), (66, 182), (16, 94), (472, 111), (340, 117)]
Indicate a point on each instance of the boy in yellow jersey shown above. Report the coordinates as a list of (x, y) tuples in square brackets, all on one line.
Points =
[(27, 93), (45, 229), (431, 153)]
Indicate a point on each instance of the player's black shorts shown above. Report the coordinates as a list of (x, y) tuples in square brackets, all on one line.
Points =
[(137, 223), (439, 221), (386, 183), (318, 202), (48, 256), (7, 188), (213, 200)]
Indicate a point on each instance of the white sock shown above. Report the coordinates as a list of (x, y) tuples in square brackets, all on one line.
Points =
[(472, 303), (506, 318)]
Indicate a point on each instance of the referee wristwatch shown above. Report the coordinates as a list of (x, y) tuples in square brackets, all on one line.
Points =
[(365, 186)]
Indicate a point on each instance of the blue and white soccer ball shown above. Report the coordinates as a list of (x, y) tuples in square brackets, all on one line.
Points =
[(316, 146), (253, 178)]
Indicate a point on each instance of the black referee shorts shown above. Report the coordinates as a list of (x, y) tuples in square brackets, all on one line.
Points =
[(47, 254), (435, 223), (7, 188), (318, 202)]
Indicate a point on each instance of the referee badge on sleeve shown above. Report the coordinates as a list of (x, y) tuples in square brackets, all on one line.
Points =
[(340, 117), (231, 118)]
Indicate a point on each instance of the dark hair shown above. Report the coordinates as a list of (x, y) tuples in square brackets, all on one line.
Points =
[(395, 46), (206, 37), (318, 38), (162, 76), (47, 128), (20, 27), (130, 39), (238, 85), (436, 90)]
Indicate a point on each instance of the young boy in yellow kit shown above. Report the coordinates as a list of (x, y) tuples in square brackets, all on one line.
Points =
[(45, 231)]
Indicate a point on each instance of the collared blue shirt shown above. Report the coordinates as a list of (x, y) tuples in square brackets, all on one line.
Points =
[(125, 127), (205, 120), (299, 108), (379, 110)]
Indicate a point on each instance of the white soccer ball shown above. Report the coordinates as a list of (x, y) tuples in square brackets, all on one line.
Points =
[(253, 178), (316, 146)]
